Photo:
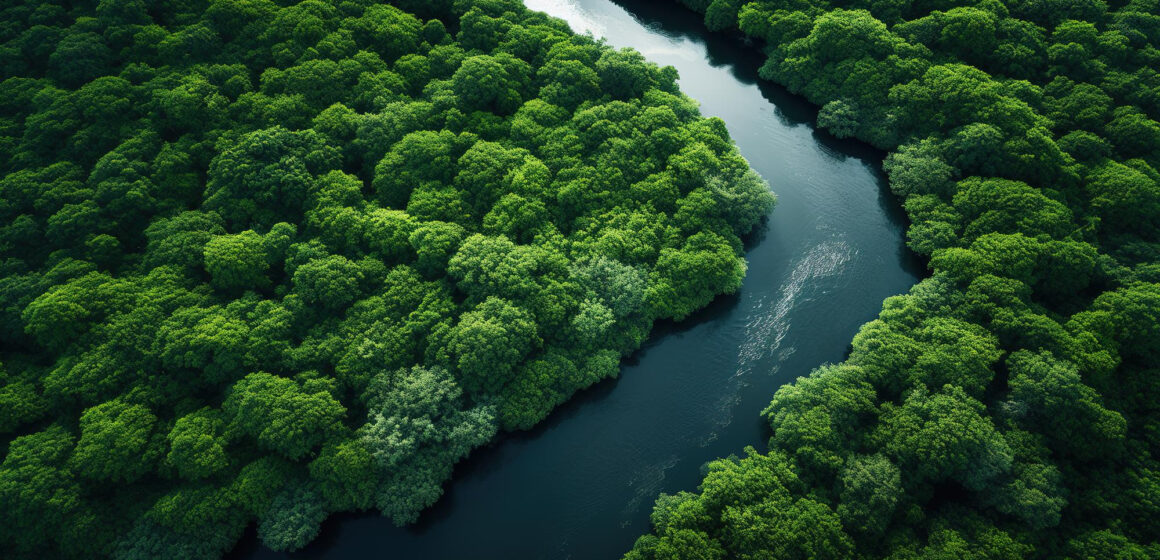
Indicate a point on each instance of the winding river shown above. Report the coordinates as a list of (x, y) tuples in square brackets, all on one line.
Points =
[(581, 485)]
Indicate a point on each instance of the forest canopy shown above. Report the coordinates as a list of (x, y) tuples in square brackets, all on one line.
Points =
[(1006, 406), (262, 261)]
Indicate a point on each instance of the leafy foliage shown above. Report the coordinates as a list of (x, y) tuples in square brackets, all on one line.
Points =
[(265, 261), (998, 409)]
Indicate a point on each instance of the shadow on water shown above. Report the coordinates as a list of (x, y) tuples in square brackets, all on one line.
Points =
[(581, 484), (744, 60), (731, 52)]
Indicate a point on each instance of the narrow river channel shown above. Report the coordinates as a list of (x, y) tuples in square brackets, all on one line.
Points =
[(581, 485)]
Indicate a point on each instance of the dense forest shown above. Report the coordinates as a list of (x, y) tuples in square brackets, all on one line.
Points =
[(1009, 405), (262, 261)]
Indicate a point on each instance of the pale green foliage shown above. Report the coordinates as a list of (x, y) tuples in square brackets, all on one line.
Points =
[(293, 519), (416, 430)]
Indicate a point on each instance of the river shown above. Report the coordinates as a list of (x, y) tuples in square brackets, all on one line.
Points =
[(581, 485)]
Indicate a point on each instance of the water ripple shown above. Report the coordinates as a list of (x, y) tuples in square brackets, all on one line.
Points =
[(767, 326), (769, 323)]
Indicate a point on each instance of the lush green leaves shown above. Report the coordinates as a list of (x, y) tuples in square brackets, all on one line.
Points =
[(236, 262), (282, 415), (995, 411), (117, 442), (196, 445), (453, 234)]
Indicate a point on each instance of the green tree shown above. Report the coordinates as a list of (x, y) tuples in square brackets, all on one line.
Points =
[(492, 83), (62, 314), (620, 287), (333, 281), (434, 243), (942, 436), (419, 157), (839, 117), (722, 14), (819, 417), (196, 446), (78, 58), (293, 519), (516, 218), (486, 265), (871, 490), (1060, 406), (685, 280), (282, 415), (567, 83), (800, 529), (237, 262), (489, 341), (205, 342), (416, 430), (117, 443), (267, 176), (346, 476), (623, 73), (42, 497)]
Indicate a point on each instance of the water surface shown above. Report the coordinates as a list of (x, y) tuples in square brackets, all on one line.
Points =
[(581, 484)]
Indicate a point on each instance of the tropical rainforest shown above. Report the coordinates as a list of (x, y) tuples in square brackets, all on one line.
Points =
[(1009, 405), (262, 261)]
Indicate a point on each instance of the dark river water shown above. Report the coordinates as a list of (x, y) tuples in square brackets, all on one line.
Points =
[(581, 485)]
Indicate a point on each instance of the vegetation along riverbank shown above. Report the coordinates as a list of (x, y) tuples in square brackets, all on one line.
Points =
[(264, 261), (1006, 406)]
